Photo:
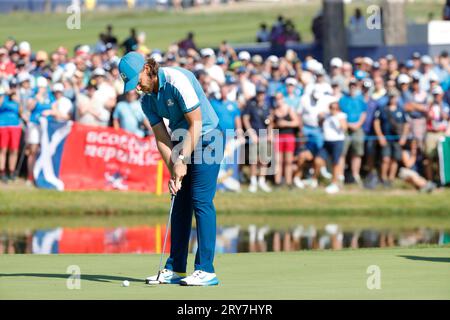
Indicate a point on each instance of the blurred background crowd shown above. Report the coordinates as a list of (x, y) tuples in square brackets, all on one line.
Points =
[(366, 122)]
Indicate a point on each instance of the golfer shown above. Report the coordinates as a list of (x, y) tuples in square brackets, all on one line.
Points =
[(175, 94)]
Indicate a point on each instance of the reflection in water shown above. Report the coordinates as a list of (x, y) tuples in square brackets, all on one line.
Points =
[(230, 239)]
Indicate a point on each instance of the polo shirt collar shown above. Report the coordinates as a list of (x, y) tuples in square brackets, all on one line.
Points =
[(161, 79)]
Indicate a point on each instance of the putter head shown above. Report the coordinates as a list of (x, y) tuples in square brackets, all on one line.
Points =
[(152, 282)]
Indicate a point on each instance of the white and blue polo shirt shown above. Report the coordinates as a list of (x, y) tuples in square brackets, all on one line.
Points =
[(179, 92)]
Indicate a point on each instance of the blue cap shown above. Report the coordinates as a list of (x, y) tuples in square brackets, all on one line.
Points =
[(359, 74), (229, 79), (130, 66)]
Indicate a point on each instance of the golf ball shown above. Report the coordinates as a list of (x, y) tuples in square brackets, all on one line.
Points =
[(125, 283)]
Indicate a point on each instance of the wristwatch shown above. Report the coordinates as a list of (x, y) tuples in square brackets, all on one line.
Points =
[(182, 158)]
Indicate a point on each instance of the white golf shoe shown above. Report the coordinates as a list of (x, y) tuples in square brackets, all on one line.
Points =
[(263, 185), (167, 277), (299, 183), (200, 278), (253, 188), (332, 189)]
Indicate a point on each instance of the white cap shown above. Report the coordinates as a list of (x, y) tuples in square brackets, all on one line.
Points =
[(58, 87), (84, 49), (99, 72), (257, 59), (207, 52), (41, 82), (244, 55), (273, 59), (336, 62), (199, 66), (437, 90), (24, 46), (403, 79), (426, 59), (433, 77), (291, 81), (23, 76), (368, 61), (157, 57)]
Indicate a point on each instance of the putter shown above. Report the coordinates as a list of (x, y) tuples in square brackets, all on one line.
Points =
[(153, 282)]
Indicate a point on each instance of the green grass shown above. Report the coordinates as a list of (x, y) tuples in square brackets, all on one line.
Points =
[(24, 208), (237, 24), (419, 273)]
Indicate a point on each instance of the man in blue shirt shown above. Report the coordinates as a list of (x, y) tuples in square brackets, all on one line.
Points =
[(128, 115), (230, 122), (354, 106), (175, 94)]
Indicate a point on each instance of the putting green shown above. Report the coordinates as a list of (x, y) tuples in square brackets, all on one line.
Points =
[(415, 273)]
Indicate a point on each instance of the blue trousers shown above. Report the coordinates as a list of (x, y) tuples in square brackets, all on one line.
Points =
[(196, 195)]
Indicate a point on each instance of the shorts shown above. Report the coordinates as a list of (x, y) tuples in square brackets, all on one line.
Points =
[(392, 150), (33, 133), (431, 144), (407, 173), (285, 143), (262, 151), (332, 149), (314, 139), (355, 142), (371, 148), (10, 137)]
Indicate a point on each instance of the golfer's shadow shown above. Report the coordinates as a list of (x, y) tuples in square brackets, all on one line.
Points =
[(430, 259), (89, 277)]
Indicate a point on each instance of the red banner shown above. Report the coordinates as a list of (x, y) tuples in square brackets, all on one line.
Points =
[(141, 239), (107, 159)]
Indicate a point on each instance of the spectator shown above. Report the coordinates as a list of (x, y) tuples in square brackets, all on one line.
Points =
[(7, 67), (409, 171), (446, 11), (392, 130), (310, 109), (128, 115), (417, 111), (41, 101), (263, 34), (437, 123), (10, 132), (255, 119), (334, 126), (130, 43), (285, 120), (91, 111), (61, 108), (228, 111), (109, 36), (354, 106), (336, 73), (317, 28), (371, 146), (141, 46), (187, 43), (105, 92), (357, 21), (293, 94)]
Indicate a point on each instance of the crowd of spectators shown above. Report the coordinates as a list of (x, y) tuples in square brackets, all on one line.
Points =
[(363, 121), (282, 31)]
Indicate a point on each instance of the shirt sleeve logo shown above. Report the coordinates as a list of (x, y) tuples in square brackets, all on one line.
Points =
[(123, 75), (169, 103)]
